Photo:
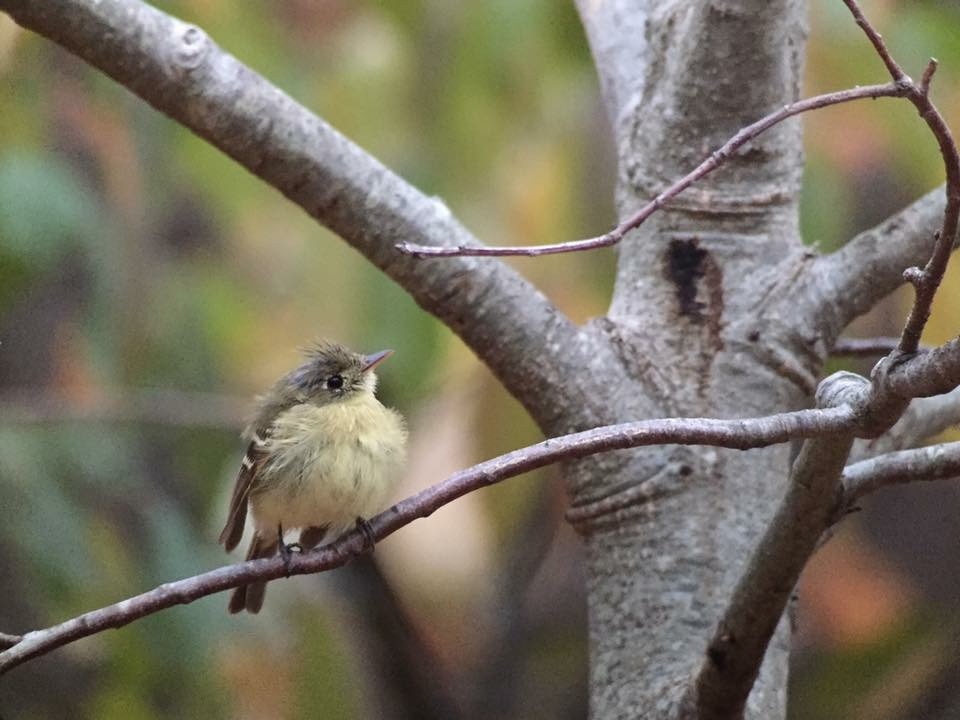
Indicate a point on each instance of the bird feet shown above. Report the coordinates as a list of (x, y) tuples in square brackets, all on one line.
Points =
[(286, 549)]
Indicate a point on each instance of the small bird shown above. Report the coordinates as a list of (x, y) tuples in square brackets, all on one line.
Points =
[(323, 454)]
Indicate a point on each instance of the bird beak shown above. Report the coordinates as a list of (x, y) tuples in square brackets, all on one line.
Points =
[(371, 361)]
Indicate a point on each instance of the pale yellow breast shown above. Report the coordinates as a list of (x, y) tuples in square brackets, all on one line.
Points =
[(329, 465)]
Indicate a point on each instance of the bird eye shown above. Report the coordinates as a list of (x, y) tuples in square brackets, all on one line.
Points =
[(334, 382)]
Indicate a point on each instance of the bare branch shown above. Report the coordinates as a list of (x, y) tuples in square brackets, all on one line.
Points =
[(876, 40), (928, 280), (739, 434), (736, 652), (845, 284), (931, 373), (924, 418), (808, 509), (140, 405), (7, 641), (179, 70), (934, 462), (865, 347), (717, 158), (928, 76), (739, 644)]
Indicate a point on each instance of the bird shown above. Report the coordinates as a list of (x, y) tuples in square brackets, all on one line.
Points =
[(322, 455)]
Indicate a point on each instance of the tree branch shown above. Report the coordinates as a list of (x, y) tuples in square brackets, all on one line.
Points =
[(845, 284), (934, 462), (865, 347), (179, 70), (924, 418), (739, 434), (810, 506), (931, 373), (739, 644), (815, 490), (927, 280), (877, 41), (852, 286), (715, 160)]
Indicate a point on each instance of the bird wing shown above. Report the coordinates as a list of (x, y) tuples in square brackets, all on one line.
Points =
[(249, 469)]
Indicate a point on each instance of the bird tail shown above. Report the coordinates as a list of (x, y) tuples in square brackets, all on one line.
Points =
[(250, 597)]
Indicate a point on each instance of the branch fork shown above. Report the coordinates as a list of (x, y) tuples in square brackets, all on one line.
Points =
[(849, 405)]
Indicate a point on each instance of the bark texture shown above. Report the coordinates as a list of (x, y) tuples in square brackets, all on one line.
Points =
[(718, 309), (689, 327)]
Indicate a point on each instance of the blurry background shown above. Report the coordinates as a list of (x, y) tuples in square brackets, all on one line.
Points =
[(149, 288)]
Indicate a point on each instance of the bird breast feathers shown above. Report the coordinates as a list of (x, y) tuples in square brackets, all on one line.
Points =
[(357, 426)]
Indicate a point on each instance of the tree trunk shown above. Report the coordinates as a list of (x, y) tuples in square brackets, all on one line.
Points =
[(689, 337), (718, 309)]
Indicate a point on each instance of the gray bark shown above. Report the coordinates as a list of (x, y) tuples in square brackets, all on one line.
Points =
[(686, 321), (718, 309)]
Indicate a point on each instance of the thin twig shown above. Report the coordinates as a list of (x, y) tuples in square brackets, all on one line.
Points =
[(928, 281), (180, 70), (865, 347), (7, 640), (934, 462), (738, 434), (848, 282), (876, 40), (925, 281), (928, 76), (735, 653), (715, 160)]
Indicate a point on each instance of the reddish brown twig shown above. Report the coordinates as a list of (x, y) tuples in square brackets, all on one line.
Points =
[(927, 280), (876, 40), (715, 160)]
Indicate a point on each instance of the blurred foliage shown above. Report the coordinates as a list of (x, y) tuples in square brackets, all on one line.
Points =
[(134, 255), (867, 616)]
